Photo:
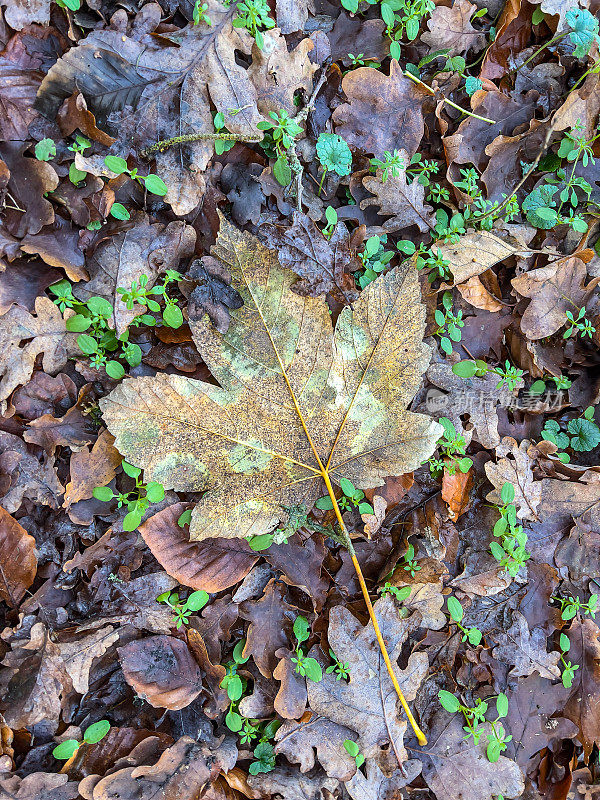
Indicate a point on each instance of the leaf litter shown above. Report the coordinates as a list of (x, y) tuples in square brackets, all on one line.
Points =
[(299, 450)]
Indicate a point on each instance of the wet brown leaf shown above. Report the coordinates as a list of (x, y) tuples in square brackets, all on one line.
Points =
[(17, 559), (161, 670), (301, 563), (289, 784), (268, 617), (23, 337), (39, 786), (583, 707), (30, 180), (20, 77), (91, 468), (298, 741), (212, 565), (290, 700), (23, 282), (25, 476), (383, 112)]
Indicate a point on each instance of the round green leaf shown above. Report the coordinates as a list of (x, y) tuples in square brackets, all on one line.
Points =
[(455, 609), (333, 152), (78, 323), (235, 687), (233, 721), (261, 542), (97, 731), (155, 185), (312, 669), (502, 705), (116, 164), (129, 469), (185, 518), (45, 150), (172, 316), (197, 600), (465, 369), (301, 629), (66, 749), (115, 370), (493, 751), (351, 748), (118, 211), (100, 306), (324, 503), (104, 493), (87, 344), (132, 521), (155, 492), (448, 701), (507, 493)]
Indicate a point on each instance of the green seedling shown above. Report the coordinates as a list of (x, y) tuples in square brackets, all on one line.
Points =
[(510, 551), (568, 671), (579, 325), (449, 324), (137, 501), (183, 609), (452, 448), (92, 735), (152, 183), (339, 669), (304, 665), (140, 293), (570, 607), (334, 155), (475, 719), (352, 497), (353, 751), (510, 376), (455, 609)]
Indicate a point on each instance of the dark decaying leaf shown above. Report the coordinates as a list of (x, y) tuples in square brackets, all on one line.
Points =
[(324, 265), (269, 618), (162, 670), (212, 293), (17, 559)]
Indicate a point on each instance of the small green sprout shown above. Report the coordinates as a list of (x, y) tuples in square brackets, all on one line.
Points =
[(352, 498), (153, 183), (334, 154), (137, 501), (568, 673), (353, 751), (182, 610), (93, 734), (305, 665), (455, 609)]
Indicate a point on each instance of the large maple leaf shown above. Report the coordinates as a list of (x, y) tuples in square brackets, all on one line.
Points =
[(297, 404)]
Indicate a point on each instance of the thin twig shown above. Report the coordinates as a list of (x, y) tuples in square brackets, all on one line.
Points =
[(164, 144)]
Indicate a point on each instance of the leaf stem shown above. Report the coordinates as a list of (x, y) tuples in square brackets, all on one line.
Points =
[(450, 102), (382, 646)]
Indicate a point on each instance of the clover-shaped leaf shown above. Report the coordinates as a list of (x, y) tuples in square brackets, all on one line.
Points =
[(584, 27)]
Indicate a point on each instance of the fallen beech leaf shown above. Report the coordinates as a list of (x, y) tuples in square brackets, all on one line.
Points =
[(367, 703), (325, 265), (475, 293), (23, 282), (531, 720), (58, 247), (291, 15), (456, 490), (74, 114), (161, 670), (290, 700), (23, 337), (455, 767), (36, 681), (20, 78), (474, 253), (212, 565), (526, 650), (91, 468), (404, 203), (182, 433), (450, 29), (287, 783), (514, 466), (383, 112), (426, 598), (39, 786), (30, 180), (297, 741), (554, 289), (18, 559), (79, 653)]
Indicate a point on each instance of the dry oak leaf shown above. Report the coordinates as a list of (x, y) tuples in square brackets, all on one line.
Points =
[(454, 767), (18, 561), (377, 786), (479, 397), (323, 264), (367, 704), (78, 654), (152, 91), (23, 337), (450, 29), (474, 253), (183, 772), (161, 670), (20, 13), (25, 475), (145, 249), (456, 490), (212, 565), (404, 203), (514, 466), (383, 112), (291, 785), (554, 289), (297, 741), (295, 399), (32, 692), (428, 600), (38, 786), (526, 650), (266, 633), (91, 468)]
